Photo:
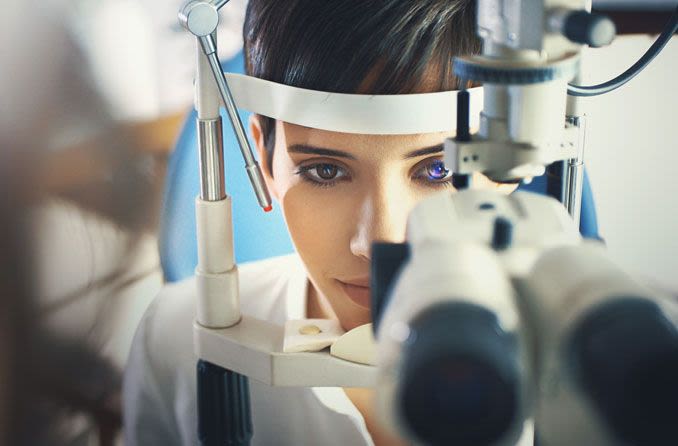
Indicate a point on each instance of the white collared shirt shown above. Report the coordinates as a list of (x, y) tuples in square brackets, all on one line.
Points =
[(160, 384)]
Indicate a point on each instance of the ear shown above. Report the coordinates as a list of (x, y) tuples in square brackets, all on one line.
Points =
[(266, 169)]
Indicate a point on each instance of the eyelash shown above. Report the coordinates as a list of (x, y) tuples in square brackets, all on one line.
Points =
[(305, 173)]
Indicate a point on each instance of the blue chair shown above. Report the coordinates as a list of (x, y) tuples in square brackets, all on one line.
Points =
[(257, 235)]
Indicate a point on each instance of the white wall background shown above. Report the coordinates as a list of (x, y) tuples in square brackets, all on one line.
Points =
[(632, 157)]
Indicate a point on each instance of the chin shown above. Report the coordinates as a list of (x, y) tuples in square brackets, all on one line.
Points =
[(354, 321)]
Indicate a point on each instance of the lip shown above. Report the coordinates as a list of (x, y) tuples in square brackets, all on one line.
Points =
[(358, 291)]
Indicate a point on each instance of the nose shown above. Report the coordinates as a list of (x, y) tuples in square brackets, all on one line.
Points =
[(382, 217)]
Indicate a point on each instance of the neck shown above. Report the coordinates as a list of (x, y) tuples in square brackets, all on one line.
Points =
[(317, 306), (363, 400)]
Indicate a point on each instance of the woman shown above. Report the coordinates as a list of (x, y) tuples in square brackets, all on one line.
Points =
[(339, 192)]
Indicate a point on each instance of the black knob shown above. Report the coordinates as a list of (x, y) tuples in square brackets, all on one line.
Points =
[(595, 30), (461, 181), (502, 235)]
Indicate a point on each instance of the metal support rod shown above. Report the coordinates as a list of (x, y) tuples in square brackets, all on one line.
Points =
[(224, 412), (251, 165), (573, 180), (211, 155), (210, 133), (218, 4), (574, 175)]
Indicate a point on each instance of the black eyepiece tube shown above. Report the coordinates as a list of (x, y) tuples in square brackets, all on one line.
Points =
[(461, 380), (625, 356)]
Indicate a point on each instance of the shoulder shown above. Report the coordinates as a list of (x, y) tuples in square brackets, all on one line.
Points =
[(267, 286), (268, 271), (263, 284), (160, 376), (166, 328)]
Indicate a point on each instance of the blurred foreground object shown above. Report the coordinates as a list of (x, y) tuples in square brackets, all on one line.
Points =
[(79, 202), (510, 317)]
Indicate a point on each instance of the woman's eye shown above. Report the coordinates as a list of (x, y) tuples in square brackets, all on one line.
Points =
[(433, 171), (325, 174)]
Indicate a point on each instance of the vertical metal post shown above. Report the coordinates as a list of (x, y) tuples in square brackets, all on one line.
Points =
[(208, 44), (224, 411), (574, 172), (574, 169), (210, 131), (211, 156)]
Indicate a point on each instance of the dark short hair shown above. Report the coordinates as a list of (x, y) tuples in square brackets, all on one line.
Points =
[(357, 46)]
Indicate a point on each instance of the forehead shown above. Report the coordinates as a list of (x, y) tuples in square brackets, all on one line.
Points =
[(357, 144)]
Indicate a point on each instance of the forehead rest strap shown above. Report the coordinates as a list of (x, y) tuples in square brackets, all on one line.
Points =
[(353, 113)]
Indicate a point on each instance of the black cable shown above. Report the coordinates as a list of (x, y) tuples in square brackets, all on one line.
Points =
[(606, 87)]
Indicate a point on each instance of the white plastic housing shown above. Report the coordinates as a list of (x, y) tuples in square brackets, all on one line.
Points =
[(564, 286), (537, 113), (218, 303), (451, 260), (254, 348)]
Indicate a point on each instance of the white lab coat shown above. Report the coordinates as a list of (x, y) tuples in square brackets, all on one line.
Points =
[(160, 382)]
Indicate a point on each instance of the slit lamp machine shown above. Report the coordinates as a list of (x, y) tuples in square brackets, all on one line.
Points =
[(495, 318)]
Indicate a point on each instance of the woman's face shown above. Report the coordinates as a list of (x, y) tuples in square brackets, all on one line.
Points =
[(340, 192)]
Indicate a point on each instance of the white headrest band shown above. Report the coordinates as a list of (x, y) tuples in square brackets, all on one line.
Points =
[(353, 113)]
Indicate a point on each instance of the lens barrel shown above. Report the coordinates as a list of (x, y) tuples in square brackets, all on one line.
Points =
[(461, 377), (625, 356)]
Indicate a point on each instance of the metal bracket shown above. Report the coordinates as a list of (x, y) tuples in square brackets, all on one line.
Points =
[(253, 348)]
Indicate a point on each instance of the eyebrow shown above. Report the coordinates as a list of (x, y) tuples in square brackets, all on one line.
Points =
[(322, 151), (312, 150), (425, 151)]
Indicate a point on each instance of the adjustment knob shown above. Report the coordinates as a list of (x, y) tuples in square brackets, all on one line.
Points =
[(594, 30), (200, 18), (502, 235)]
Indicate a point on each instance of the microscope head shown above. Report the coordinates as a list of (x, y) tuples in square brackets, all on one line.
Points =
[(608, 351), (454, 356)]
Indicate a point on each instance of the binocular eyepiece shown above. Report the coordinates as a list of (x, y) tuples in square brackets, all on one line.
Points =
[(461, 376), (624, 355), (476, 344)]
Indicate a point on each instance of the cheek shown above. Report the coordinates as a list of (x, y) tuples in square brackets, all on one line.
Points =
[(319, 221)]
